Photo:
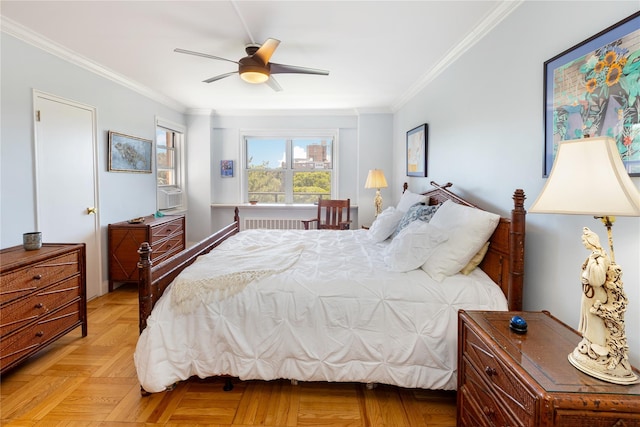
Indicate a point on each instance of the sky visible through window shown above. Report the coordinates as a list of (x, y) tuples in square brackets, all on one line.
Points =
[(273, 150)]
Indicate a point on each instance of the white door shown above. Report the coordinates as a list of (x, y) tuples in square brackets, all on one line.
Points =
[(66, 179)]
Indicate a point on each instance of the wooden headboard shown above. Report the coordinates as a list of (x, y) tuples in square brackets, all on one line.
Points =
[(504, 261)]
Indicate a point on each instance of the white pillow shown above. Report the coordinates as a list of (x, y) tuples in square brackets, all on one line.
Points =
[(468, 230), (413, 246), (385, 224), (409, 199)]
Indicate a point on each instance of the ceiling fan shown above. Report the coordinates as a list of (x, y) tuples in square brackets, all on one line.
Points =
[(255, 67)]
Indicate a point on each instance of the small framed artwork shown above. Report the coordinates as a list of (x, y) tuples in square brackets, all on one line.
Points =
[(129, 153), (226, 168), (592, 90), (417, 139)]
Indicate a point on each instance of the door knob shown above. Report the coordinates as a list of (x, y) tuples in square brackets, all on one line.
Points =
[(91, 211)]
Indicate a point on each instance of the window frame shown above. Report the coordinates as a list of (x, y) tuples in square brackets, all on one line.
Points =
[(288, 136), (179, 162)]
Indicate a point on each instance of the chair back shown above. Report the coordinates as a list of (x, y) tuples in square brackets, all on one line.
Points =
[(334, 214)]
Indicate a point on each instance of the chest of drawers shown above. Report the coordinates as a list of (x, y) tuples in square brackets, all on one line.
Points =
[(166, 235), (507, 379), (42, 297)]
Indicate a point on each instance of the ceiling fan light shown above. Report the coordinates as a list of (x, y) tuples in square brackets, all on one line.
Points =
[(254, 77)]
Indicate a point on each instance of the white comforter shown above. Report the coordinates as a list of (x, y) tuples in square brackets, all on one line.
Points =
[(336, 314)]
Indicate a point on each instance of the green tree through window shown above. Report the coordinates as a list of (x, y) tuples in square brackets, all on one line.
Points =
[(289, 170)]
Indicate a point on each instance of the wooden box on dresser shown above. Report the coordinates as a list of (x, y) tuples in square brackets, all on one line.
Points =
[(166, 235), (509, 379), (42, 297)]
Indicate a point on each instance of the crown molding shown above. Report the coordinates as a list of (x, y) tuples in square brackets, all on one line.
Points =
[(29, 36), (488, 23)]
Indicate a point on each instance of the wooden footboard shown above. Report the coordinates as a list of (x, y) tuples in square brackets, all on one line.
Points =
[(504, 261), (154, 279)]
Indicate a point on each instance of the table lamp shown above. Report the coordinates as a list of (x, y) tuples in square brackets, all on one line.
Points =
[(376, 180), (589, 178)]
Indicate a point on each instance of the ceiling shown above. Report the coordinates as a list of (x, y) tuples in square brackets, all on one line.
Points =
[(379, 53)]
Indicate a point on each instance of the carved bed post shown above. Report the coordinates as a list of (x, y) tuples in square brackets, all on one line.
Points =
[(145, 292), (516, 236), (236, 216)]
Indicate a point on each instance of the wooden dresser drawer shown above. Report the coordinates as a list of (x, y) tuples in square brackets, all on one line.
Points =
[(166, 235), (43, 297), (20, 312), (44, 330), (21, 282), (166, 229), (166, 248)]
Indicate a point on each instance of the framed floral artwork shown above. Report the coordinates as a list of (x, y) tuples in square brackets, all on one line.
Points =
[(593, 89), (417, 139)]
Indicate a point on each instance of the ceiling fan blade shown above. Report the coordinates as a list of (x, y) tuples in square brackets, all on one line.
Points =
[(220, 77), (267, 49), (282, 68), (204, 55), (273, 84)]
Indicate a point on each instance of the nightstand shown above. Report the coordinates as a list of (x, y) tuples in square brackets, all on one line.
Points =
[(513, 379)]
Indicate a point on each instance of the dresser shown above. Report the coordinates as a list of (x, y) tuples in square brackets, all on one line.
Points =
[(507, 379), (166, 235), (42, 298)]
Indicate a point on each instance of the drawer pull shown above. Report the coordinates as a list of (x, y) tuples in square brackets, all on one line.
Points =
[(39, 305), (489, 412), (37, 277), (40, 333), (490, 371)]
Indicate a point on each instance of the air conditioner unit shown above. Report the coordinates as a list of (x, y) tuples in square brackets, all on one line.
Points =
[(169, 197)]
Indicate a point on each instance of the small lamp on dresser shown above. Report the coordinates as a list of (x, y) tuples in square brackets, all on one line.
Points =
[(589, 178), (376, 180)]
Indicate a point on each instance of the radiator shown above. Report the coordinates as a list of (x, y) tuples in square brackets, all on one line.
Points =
[(273, 224)]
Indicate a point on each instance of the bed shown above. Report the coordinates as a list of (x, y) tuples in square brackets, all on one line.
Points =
[(325, 305)]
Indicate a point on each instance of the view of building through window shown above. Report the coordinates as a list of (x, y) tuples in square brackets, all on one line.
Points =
[(289, 170)]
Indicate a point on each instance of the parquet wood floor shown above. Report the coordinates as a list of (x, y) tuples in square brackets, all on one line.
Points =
[(91, 382)]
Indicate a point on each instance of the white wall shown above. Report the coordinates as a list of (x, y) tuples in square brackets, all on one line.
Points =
[(355, 155), (121, 195), (486, 136)]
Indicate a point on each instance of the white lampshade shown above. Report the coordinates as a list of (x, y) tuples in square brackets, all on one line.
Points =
[(589, 178), (375, 179)]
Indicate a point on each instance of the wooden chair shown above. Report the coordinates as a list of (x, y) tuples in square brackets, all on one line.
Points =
[(332, 215)]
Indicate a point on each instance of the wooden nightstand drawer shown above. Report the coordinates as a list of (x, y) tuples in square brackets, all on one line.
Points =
[(508, 388), (487, 410), (526, 380)]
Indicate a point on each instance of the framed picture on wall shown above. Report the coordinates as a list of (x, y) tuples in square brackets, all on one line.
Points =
[(129, 153), (226, 168), (593, 89), (417, 139)]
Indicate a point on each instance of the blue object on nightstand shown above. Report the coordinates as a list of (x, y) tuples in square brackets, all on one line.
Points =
[(518, 325)]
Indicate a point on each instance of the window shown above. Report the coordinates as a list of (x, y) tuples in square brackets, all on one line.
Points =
[(169, 167), (289, 169)]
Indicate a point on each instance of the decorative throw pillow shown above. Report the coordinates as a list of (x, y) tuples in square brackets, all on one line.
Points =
[(413, 246), (476, 260), (385, 224), (468, 229), (417, 211), (409, 199)]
